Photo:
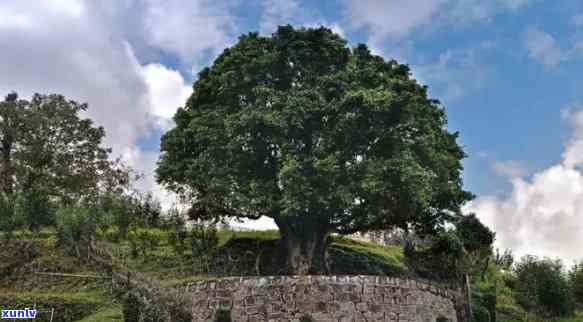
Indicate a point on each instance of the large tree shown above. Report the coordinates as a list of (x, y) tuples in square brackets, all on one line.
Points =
[(320, 137)]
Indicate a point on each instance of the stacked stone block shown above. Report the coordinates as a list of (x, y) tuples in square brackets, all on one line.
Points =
[(324, 298)]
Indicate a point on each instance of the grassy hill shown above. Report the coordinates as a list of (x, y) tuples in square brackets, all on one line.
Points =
[(244, 253), (72, 298), (238, 253)]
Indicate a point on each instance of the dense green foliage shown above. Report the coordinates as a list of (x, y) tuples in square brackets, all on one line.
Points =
[(306, 318), (452, 253), (532, 290), (49, 154), (576, 279), (131, 308), (322, 138), (223, 316), (543, 287), (12, 215)]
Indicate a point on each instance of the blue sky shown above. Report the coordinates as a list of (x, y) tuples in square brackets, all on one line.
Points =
[(490, 76), (507, 72)]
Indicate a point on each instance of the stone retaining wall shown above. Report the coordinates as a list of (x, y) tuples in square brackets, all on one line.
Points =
[(324, 298)]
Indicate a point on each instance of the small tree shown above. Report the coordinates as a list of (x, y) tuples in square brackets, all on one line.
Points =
[(504, 260), (543, 287), (74, 222), (11, 214), (453, 253), (131, 308), (178, 234), (576, 279)]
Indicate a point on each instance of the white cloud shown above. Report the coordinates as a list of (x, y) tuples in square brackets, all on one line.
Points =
[(166, 92), (510, 168), (390, 18), (542, 216), (188, 28), (81, 50), (455, 74), (543, 48), (283, 12), (514, 4), (75, 55), (394, 19), (577, 20), (277, 12)]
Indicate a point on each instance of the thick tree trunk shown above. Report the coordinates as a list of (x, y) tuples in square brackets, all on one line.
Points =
[(306, 245)]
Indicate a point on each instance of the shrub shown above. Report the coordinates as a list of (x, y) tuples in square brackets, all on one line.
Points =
[(11, 214), (73, 223), (144, 240), (177, 236), (483, 304), (306, 318), (148, 211), (204, 239), (131, 308), (223, 315), (37, 210), (576, 280), (123, 212), (542, 287)]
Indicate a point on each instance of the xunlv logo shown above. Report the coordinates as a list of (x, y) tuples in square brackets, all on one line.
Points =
[(19, 314)]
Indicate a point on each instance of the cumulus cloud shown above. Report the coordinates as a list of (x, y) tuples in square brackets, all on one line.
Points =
[(456, 73), (188, 28), (68, 51), (166, 91), (510, 168), (80, 49), (543, 48), (390, 18), (190, 32), (542, 215), (397, 18), (283, 12), (577, 20)]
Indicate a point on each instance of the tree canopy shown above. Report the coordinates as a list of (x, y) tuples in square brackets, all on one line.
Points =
[(318, 136), (49, 151)]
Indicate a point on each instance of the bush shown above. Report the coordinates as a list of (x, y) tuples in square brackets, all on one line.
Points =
[(131, 308), (223, 315), (306, 318), (73, 223), (484, 304), (11, 214), (144, 240), (38, 210), (576, 280), (543, 288), (204, 239), (440, 261), (177, 236), (148, 211)]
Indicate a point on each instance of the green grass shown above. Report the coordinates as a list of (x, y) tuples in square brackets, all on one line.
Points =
[(111, 313), (577, 318), (238, 253), (72, 298)]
